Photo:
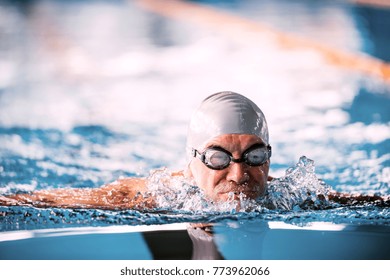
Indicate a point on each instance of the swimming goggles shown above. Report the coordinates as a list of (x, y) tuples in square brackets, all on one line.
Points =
[(218, 158)]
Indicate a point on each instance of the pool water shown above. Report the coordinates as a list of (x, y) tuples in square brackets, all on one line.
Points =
[(235, 240), (92, 91)]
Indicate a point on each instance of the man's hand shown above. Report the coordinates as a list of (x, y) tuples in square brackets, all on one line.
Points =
[(359, 199)]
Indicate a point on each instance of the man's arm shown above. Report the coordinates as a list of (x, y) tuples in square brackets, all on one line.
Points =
[(359, 199), (129, 193)]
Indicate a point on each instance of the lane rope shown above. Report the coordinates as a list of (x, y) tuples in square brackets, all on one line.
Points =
[(236, 26)]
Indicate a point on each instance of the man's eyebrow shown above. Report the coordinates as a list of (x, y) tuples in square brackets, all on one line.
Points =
[(215, 146), (256, 145), (261, 144)]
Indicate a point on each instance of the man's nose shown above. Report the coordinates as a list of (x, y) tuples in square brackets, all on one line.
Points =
[(237, 173)]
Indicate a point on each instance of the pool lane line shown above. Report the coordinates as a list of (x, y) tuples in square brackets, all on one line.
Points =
[(71, 61), (235, 25), (374, 3)]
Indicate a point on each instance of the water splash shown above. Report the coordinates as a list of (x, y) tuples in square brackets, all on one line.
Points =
[(298, 189), (299, 197), (176, 193)]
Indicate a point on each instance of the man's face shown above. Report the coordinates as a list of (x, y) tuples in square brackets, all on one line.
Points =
[(237, 177)]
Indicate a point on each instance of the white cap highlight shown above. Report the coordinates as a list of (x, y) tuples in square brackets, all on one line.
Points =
[(225, 113)]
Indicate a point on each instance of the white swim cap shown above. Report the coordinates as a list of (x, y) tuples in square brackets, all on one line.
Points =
[(225, 113)]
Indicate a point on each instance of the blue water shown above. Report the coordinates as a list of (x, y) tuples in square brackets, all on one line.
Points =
[(92, 91)]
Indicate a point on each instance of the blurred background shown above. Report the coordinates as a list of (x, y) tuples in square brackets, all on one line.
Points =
[(95, 89)]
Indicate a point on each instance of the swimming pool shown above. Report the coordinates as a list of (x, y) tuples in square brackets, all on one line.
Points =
[(87, 96)]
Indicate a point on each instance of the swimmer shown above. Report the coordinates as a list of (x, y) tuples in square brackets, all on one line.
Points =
[(228, 153)]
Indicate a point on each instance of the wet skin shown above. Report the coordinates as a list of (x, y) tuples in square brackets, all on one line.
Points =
[(237, 177)]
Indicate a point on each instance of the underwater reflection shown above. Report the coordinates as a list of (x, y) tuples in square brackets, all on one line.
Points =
[(225, 240), (197, 243), (256, 240)]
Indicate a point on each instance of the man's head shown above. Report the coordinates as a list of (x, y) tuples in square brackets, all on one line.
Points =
[(228, 147)]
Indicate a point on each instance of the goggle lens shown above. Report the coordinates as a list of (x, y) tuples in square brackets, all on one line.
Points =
[(216, 159), (256, 157)]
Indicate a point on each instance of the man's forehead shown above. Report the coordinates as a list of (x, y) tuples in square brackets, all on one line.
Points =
[(235, 141)]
